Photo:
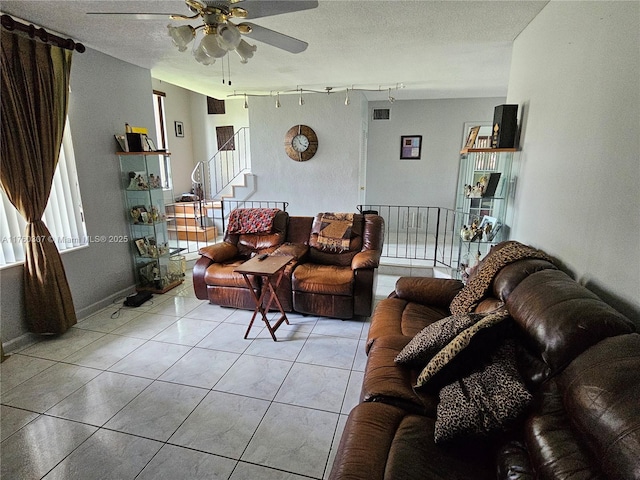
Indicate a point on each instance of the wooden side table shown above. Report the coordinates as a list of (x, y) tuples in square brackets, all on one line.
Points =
[(271, 269)]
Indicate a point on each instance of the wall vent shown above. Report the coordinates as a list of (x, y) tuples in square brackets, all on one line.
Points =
[(381, 113)]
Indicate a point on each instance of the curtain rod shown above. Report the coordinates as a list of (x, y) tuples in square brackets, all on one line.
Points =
[(11, 24)]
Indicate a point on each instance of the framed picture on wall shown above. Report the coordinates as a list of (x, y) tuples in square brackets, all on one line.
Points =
[(179, 129), (410, 147)]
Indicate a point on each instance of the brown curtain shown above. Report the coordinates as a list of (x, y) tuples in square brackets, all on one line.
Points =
[(35, 92)]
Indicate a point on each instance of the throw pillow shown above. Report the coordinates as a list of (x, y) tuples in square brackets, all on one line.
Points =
[(474, 342), (433, 338), (486, 401)]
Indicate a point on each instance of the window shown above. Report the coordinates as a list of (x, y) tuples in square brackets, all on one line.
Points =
[(161, 132), (63, 216)]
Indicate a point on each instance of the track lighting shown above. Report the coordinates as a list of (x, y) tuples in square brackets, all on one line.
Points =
[(327, 90)]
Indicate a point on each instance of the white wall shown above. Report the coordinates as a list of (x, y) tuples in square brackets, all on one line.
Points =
[(432, 180), (327, 182), (199, 141), (575, 72), (177, 108)]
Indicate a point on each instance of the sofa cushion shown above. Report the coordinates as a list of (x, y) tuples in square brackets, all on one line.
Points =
[(428, 291), (223, 275), (488, 400), (601, 392), (561, 318), (385, 381), (464, 351), (554, 448), (433, 338), (382, 441), (324, 279), (394, 316)]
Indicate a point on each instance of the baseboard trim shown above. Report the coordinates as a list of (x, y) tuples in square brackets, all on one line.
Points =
[(105, 302)]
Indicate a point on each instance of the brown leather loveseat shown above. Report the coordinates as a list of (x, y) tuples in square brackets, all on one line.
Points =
[(576, 358), (323, 279)]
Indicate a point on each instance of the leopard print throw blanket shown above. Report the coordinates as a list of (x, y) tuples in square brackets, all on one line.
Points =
[(477, 287)]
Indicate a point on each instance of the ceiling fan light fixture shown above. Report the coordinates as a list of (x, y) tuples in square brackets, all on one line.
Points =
[(228, 36), (201, 56), (245, 51), (211, 47), (181, 36)]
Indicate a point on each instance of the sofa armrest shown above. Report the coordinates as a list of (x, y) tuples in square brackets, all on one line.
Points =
[(297, 250), (219, 252), (428, 291), (199, 270), (366, 259)]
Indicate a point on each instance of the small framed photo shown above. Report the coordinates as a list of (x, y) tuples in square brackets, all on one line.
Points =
[(489, 226), (179, 129), (471, 139), (410, 147), (151, 144), (122, 143), (141, 246)]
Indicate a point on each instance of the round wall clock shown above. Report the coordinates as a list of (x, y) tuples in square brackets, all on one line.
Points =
[(301, 143)]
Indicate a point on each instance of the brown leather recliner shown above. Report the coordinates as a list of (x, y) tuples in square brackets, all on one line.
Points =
[(214, 278), (340, 285)]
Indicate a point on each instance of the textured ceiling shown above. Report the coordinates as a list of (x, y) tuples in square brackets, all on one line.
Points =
[(437, 49)]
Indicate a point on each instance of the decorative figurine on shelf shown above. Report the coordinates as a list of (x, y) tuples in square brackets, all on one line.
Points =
[(133, 183), (466, 233), (487, 231), (154, 214), (155, 181), (141, 183), (135, 214)]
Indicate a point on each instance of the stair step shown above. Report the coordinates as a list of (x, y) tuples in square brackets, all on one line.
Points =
[(183, 221), (193, 233), (190, 208)]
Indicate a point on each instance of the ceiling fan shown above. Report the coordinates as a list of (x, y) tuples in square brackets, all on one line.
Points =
[(220, 35)]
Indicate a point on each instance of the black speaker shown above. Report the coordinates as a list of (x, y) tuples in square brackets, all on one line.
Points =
[(505, 125)]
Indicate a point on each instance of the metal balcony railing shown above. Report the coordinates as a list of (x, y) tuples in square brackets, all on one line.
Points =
[(419, 233)]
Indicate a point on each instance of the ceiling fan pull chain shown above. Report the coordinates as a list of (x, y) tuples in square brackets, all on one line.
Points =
[(229, 70)]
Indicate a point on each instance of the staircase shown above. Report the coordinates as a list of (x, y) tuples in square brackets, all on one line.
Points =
[(224, 177), (192, 221)]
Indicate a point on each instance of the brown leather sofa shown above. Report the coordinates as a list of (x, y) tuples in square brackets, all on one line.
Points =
[(579, 358), (318, 281)]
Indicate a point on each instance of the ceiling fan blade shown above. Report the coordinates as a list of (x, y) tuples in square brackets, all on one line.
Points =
[(276, 39), (137, 16), (262, 8)]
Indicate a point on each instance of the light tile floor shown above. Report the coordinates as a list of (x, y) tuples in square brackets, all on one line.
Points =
[(171, 390)]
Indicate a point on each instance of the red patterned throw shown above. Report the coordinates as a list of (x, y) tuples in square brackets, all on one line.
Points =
[(251, 220)]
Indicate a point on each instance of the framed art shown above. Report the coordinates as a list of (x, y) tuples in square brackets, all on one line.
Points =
[(410, 147), (473, 134), (179, 129), (141, 246)]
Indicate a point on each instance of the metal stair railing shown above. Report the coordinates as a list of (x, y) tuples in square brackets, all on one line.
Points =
[(211, 177)]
